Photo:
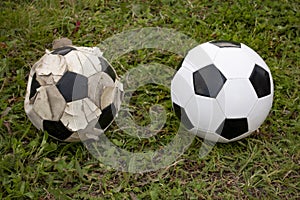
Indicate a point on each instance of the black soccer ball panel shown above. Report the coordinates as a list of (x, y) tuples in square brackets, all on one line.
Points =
[(208, 81), (56, 129), (226, 44), (260, 80), (34, 86), (73, 86), (232, 128), (182, 116), (106, 117)]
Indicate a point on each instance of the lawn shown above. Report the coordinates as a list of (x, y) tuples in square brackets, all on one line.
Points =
[(265, 165)]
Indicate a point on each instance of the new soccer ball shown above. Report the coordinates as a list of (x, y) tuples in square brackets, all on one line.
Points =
[(223, 91), (73, 93)]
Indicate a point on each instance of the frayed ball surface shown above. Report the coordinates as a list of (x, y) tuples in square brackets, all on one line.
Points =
[(73, 93)]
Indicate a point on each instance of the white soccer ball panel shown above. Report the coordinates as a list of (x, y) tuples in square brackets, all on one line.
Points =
[(210, 49), (94, 59), (205, 113), (182, 86), (234, 63), (47, 74), (237, 98), (51, 64), (74, 117), (78, 114), (49, 104), (118, 95), (187, 65), (197, 58), (260, 112), (36, 120), (107, 96), (112, 95), (90, 50), (96, 85), (192, 111), (73, 62), (255, 57), (91, 111), (88, 68), (175, 99)]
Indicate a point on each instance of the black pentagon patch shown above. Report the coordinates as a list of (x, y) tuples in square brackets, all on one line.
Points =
[(63, 50), (73, 86), (57, 129), (182, 116), (226, 44), (260, 80), (106, 117), (107, 68), (34, 86), (208, 81), (232, 128)]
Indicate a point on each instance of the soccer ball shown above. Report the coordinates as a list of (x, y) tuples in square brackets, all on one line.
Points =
[(73, 93), (223, 91)]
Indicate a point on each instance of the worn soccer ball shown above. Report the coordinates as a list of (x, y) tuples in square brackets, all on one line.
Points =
[(73, 93), (223, 91)]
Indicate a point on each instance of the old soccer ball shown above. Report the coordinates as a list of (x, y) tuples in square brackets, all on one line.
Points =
[(223, 91), (73, 93)]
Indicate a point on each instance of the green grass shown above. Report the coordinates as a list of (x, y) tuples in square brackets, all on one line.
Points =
[(262, 166)]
